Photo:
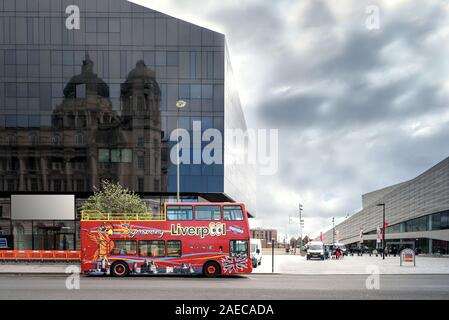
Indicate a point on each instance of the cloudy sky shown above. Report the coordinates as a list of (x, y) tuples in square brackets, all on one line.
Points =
[(357, 109)]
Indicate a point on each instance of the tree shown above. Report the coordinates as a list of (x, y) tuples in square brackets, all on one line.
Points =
[(113, 198)]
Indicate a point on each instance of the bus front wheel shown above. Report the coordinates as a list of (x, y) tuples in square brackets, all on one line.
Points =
[(211, 269), (119, 269)]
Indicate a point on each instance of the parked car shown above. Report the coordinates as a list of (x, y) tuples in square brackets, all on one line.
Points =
[(315, 250), (256, 252)]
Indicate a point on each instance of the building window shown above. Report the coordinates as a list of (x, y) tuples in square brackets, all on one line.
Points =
[(81, 121), (156, 184), (79, 139), (10, 184), (103, 155), (33, 139), (115, 156), (152, 248), (444, 220), (34, 185), (12, 140), (57, 185), (141, 184), (79, 185), (127, 155), (141, 162), (141, 142), (32, 164)]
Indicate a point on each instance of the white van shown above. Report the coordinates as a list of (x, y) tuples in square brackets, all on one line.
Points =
[(256, 252), (315, 249)]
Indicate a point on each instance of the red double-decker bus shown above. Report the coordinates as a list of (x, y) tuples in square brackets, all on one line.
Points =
[(186, 238)]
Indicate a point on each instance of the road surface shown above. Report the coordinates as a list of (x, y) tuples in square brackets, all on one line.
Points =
[(254, 286)]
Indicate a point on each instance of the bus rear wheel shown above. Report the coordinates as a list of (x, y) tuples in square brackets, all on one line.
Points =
[(119, 269), (211, 269)]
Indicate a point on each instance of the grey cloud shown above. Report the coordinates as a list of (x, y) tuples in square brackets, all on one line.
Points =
[(340, 134)]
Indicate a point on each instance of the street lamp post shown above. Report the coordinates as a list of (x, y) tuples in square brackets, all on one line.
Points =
[(333, 230), (300, 227), (179, 105), (383, 229)]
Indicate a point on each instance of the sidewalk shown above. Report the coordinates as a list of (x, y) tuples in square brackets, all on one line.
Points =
[(289, 264), (36, 268)]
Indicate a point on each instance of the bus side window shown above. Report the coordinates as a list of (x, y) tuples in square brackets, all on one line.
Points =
[(124, 247), (207, 212), (174, 248), (152, 248), (238, 247), (179, 213), (233, 213)]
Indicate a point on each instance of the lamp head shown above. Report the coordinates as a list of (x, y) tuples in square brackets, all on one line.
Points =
[(180, 104)]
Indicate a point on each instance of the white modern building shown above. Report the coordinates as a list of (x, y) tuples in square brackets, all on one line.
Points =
[(416, 213)]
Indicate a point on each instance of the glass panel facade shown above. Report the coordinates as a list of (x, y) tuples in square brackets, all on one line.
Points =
[(435, 221), (78, 106), (98, 88)]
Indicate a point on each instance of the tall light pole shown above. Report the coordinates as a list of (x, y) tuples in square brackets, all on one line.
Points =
[(300, 227), (383, 229), (333, 230), (179, 105)]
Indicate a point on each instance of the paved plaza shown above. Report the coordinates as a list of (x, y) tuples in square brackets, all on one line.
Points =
[(295, 264)]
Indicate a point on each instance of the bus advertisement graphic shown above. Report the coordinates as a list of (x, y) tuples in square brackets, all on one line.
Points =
[(179, 244)]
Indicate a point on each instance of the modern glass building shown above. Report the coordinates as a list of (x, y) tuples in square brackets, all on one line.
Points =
[(88, 92), (416, 214)]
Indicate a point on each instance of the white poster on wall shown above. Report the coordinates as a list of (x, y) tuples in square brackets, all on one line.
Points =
[(43, 207)]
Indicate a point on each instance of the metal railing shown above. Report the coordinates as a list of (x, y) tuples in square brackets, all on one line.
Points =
[(39, 255), (95, 215)]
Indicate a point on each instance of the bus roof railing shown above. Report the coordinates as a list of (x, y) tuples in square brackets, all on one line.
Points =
[(96, 215)]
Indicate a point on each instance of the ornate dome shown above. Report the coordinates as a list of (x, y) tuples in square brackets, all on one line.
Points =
[(94, 84), (141, 71), (140, 78)]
